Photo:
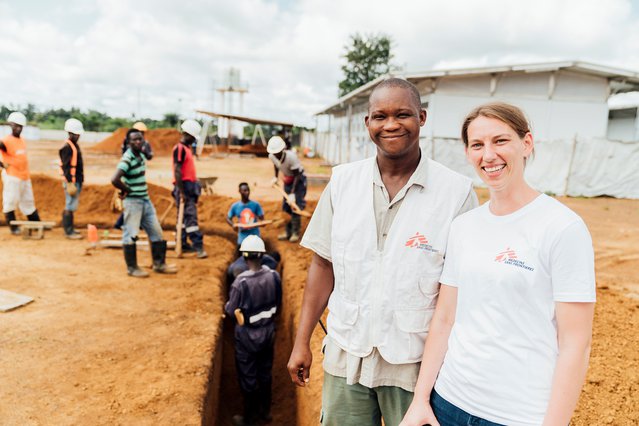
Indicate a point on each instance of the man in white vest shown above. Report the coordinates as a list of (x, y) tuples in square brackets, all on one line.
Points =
[(379, 236)]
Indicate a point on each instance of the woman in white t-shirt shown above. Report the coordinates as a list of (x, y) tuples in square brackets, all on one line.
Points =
[(510, 339)]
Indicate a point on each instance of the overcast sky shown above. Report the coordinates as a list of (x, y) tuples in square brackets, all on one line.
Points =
[(153, 56)]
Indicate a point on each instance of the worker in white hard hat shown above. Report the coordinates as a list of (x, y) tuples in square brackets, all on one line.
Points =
[(72, 172), (294, 179), (147, 150), (254, 299), (17, 191), (187, 188)]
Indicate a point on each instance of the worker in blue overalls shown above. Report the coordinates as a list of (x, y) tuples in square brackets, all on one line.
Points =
[(254, 299)]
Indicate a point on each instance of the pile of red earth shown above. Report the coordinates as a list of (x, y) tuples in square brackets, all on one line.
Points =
[(258, 150), (162, 141)]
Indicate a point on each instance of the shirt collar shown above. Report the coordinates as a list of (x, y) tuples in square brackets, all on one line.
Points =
[(419, 176)]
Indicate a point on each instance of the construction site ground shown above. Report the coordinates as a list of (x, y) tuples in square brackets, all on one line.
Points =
[(99, 347)]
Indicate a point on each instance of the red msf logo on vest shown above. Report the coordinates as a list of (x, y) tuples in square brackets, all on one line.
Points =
[(420, 242), (509, 257)]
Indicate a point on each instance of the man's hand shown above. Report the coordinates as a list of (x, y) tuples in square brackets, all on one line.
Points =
[(274, 181), (290, 199), (299, 364), (72, 189), (122, 194)]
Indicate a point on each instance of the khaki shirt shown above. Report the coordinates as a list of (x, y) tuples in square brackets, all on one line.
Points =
[(372, 370)]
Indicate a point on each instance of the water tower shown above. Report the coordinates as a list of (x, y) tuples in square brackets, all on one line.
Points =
[(232, 92)]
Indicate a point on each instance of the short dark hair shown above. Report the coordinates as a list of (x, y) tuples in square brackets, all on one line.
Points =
[(395, 82), (131, 131), (242, 184)]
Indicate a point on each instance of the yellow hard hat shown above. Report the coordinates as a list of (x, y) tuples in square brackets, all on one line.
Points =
[(140, 126)]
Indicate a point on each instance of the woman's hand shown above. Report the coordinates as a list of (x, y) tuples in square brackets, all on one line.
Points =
[(419, 414)]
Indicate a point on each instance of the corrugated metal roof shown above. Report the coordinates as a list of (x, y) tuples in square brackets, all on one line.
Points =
[(622, 80)]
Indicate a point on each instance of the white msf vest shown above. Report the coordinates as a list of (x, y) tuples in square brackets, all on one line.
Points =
[(386, 299)]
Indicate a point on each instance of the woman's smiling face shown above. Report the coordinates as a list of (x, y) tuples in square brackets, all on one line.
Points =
[(498, 153)]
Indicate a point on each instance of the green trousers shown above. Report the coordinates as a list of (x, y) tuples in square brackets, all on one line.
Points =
[(357, 405)]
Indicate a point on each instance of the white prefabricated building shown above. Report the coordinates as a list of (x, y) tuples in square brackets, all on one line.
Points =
[(566, 103)]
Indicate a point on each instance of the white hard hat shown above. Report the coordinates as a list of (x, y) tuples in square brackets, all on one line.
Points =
[(253, 244), (275, 144), (192, 127), (17, 118), (139, 126), (73, 125)]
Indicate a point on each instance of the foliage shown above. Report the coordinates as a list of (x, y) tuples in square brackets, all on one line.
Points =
[(92, 120), (367, 57)]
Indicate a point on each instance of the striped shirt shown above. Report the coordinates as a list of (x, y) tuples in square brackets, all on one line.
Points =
[(134, 168)]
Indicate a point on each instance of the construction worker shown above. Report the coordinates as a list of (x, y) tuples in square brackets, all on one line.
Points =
[(147, 150), (72, 171), (148, 154), (379, 236), (294, 179), (138, 209), (254, 299), (16, 181), (187, 188), (239, 265), (247, 212)]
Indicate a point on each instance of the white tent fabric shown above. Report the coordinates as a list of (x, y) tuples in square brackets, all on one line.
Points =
[(586, 167)]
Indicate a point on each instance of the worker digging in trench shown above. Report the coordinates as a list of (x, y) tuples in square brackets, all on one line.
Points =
[(294, 179), (254, 299)]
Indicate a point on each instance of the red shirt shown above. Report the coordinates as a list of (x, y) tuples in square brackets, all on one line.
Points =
[(182, 155)]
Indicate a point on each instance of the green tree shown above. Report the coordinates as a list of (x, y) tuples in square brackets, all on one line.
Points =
[(367, 57), (171, 119)]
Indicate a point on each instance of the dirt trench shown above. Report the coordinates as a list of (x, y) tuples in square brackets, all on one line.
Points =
[(230, 398)]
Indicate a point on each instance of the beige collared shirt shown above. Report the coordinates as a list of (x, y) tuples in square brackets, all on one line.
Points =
[(372, 370)]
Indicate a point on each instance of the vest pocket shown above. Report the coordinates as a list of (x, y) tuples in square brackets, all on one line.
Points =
[(342, 317), (414, 320)]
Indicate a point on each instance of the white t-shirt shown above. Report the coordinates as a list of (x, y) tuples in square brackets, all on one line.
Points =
[(510, 270)]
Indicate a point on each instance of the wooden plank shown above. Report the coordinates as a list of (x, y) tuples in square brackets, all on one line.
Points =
[(252, 225), (45, 224), (10, 300), (118, 244)]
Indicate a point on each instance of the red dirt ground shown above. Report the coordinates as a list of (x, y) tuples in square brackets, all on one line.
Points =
[(99, 347)]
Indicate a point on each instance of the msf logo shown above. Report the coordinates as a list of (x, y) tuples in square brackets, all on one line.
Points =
[(505, 255), (419, 241), (509, 257)]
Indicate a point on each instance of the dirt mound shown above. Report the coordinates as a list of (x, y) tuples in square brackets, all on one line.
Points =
[(161, 140)]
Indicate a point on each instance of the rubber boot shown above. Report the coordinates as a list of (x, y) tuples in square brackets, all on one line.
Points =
[(158, 252), (9, 216), (251, 406), (67, 224), (265, 396), (34, 217), (296, 223), (131, 259), (287, 234), (201, 253)]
